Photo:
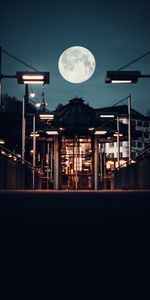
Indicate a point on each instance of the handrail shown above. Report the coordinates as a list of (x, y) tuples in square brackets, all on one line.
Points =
[(19, 159), (130, 160)]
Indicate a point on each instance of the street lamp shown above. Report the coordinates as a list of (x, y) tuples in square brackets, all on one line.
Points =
[(116, 134), (29, 78), (32, 77), (124, 76)]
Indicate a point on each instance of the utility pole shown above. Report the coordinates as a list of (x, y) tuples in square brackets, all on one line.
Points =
[(118, 142), (129, 126), (34, 152), (24, 114), (0, 76)]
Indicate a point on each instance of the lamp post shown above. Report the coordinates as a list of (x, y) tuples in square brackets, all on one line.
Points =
[(118, 142), (29, 78), (118, 134), (129, 126), (34, 134), (10, 76), (125, 77)]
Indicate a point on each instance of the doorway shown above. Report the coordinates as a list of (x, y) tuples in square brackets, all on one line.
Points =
[(76, 163)]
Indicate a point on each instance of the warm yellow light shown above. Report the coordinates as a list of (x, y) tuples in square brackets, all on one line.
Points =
[(34, 134), (52, 132), (97, 132), (2, 141), (117, 134), (61, 128)]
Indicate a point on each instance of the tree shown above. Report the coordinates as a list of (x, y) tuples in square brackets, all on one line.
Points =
[(60, 105), (11, 122)]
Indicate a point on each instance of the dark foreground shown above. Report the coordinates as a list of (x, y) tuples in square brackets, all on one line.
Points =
[(74, 218), (76, 231)]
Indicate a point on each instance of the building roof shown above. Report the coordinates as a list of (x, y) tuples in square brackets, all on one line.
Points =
[(77, 116), (122, 111)]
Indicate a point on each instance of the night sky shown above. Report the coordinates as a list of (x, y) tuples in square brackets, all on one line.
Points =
[(116, 32)]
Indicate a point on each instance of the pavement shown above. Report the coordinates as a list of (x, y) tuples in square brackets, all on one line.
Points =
[(75, 218), (76, 238)]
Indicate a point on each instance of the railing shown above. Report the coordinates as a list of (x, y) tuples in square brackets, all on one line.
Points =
[(15, 171), (130, 161), (134, 175), (16, 157), (25, 170)]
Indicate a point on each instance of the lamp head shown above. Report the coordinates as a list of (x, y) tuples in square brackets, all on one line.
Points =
[(122, 76), (32, 77)]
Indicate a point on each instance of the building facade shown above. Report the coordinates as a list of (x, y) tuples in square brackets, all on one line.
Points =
[(70, 154), (140, 136), (79, 147)]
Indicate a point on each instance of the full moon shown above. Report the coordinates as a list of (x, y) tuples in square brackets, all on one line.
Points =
[(76, 64)]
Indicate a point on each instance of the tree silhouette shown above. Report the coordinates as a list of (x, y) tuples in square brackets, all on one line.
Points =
[(11, 122)]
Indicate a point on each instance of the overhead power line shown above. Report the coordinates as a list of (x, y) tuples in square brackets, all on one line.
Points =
[(135, 60), (20, 60)]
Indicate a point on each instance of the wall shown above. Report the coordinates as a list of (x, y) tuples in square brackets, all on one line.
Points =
[(135, 176), (14, 175)]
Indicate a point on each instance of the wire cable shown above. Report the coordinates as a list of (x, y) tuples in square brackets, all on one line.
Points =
[(133, 61), (18, 59)]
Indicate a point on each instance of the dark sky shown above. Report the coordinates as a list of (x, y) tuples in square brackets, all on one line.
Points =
[(116, 32)]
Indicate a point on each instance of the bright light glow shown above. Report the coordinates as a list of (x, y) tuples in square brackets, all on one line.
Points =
[(34, 134), (33, 77), (61, 128), (2, 141), (38, 104), (92, 128), (116, 134), (33, 82), (76, 64), (123, 163), (99, 132), (52, 132), (121, 81), (107, 116), (32, 95), (133, 161), (46, 117)]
